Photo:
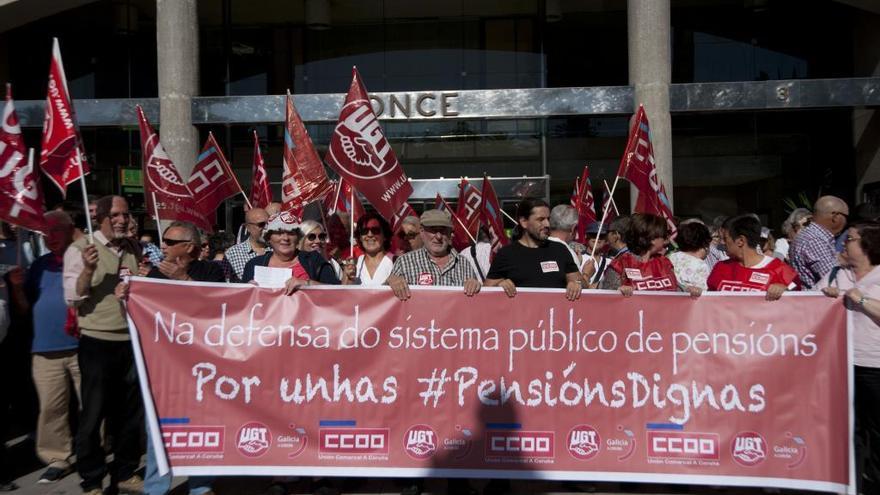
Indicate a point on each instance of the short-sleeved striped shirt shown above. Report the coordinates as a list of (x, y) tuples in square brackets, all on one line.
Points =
[(418, 268)]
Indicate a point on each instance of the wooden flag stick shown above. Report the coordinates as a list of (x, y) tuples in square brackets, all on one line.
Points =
[(85, 194)]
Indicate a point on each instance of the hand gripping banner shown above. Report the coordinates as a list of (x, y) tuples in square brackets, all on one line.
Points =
[(720, 390)]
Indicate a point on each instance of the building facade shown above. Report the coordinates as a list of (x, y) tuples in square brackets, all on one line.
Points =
[(754, 104)]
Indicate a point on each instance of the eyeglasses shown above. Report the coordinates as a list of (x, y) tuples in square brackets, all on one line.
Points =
[(371, 230), (321, 237), (261, 225), (174, 242), (407, 236), (437, 230)]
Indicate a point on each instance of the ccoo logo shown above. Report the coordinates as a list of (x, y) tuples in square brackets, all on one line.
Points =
[(420, 442), (254, 439), (583, 442), (748, 448)]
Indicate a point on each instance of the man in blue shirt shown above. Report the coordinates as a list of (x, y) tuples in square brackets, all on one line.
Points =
[(55, 368)]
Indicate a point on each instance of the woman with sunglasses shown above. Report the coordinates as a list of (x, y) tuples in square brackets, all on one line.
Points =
[(859, 284), (314, 238), (374, 239), (307, 268)]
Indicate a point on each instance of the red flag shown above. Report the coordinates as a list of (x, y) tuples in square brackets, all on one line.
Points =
[(638, 167), (585, 205), (261, 193), (212, 180), (491, 216), (304, 179), (359, 153), (404, 211), (440, 204), (344, 199), (164, 190), (62, 153), (468, 212), (574, 193), (21, 200)]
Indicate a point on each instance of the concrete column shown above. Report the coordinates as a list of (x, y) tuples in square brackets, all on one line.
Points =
[(866, 121), (177, 46), (650, 72)]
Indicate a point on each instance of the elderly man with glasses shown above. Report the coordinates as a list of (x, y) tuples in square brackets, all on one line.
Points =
[(239, 254), (813, 252), (435, 263)]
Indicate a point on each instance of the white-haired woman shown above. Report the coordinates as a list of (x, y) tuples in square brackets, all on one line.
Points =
[(314, 238), (798, 219)]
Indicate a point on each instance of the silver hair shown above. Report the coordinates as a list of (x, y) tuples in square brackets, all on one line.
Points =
[(795, 218), (411, 220), (563, 217), (306, 227), (194, 235)]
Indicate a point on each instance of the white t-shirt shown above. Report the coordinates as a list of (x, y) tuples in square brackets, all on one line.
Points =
[(378, 278)]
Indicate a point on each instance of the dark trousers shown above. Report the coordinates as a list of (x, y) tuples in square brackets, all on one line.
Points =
[(867, 441), (110, 392)]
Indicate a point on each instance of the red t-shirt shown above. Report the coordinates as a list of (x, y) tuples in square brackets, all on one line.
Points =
[(655, 274), (732, 276)]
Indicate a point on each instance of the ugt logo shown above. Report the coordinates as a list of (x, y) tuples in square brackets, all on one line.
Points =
[(420, 442), (254, 439)]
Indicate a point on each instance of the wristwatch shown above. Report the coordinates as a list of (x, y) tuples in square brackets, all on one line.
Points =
[(862, 300)]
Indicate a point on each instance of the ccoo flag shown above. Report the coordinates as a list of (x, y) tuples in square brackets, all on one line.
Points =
[(62, 158), (304, 179), (212, 180), (468, 212), (167, 196), (261, 193), (491, 216), (360, 154), (638, 167), (585, 205), (21, 200)]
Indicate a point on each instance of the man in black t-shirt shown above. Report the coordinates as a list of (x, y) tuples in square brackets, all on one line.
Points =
[(531, 260)]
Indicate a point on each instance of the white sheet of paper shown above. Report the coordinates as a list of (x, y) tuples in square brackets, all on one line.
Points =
[(272, 278)]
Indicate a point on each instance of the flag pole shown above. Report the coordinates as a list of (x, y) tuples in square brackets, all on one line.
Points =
[(611, 198), (336, 196), (85, 194), (156, 213), (502, 209), (462, 226), (350, 220), (604, 215)]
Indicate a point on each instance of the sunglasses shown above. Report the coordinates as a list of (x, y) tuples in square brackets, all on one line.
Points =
[(407, 235), (261, 225), (321, 237), (371, 230), (174, 242)]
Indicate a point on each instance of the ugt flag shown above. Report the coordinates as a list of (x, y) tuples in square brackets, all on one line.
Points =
[(21, 200), (585, 205), (468, 212), (261, 193), (638, 167), (167, 195), (62, 157), (212, 180), (360, 154), (304, 179)]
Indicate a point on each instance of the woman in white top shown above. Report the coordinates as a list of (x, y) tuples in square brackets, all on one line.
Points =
[(374, 239), (859, 283), (690, 260)]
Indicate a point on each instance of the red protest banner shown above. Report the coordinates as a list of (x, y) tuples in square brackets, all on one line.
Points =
[(654, 387), (166, 195), (21, 199), (212, 180), (62, 158), (361, 155), (638, 167)]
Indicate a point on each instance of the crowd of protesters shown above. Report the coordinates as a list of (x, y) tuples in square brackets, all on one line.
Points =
[(64, 306)]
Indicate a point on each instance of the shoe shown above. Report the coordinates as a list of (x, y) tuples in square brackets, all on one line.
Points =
[(8, 486), (53, 474), (131, 486), (94, 491)]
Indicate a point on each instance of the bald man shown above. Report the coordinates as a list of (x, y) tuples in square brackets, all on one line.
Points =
[(239, 254), (812, 251)]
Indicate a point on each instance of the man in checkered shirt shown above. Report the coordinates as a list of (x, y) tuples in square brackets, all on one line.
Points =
[(435, 263), (239, 254), (812, 252)]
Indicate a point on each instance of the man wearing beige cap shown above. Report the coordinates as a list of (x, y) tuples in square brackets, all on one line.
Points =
[(435, 263)]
